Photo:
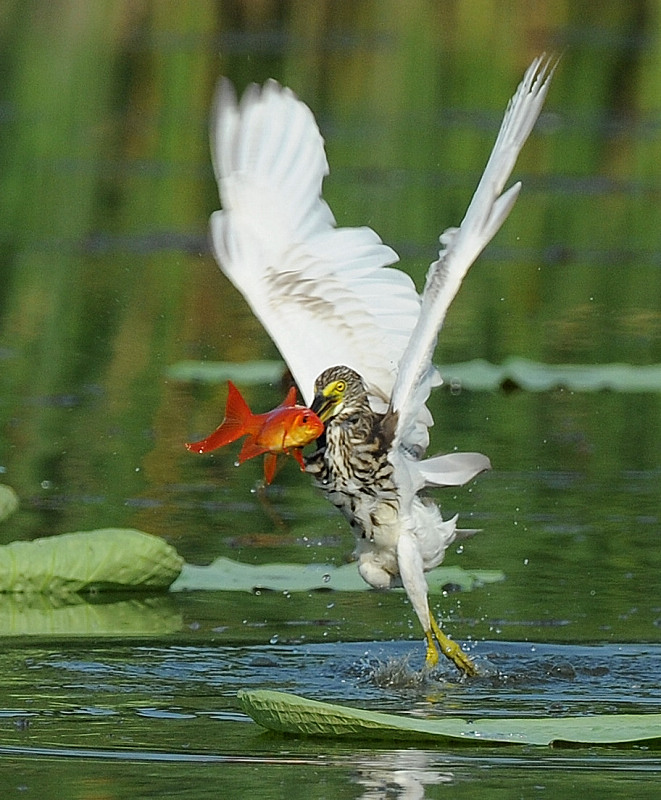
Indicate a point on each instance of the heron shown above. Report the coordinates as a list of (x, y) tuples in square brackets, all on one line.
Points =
[(354, 332)]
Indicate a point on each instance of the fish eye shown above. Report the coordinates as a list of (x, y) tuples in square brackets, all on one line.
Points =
[(306, 417)]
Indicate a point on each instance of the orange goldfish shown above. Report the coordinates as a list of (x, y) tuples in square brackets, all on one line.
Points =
[(286, 429)]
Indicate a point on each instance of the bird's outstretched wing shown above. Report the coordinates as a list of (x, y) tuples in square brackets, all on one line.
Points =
[(460, 247), (324, 294)]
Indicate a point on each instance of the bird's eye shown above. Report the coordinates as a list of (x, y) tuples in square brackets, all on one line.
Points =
[(340, 386)]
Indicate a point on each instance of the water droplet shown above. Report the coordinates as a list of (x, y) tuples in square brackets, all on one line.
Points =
[(331, 605), (326, 577), (274, 639), (525, 562), (460, 549), (46, 485)]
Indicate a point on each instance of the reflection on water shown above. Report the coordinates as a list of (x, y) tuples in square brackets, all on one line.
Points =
[(404, 774), (106, 282), (38, 615)]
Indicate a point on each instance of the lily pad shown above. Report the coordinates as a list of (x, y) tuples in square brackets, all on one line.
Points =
[(223, 574), (477, 375), (111, 558), (292, 714), (480, 375), (8, 501), (249, 372)]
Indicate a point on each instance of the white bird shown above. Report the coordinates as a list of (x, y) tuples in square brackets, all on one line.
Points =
[(355, 334)]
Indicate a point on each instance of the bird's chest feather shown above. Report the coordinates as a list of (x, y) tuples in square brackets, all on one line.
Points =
[(354, 473)]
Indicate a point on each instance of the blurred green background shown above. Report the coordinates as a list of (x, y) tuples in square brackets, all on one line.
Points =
[(106, 282), (106, 279)]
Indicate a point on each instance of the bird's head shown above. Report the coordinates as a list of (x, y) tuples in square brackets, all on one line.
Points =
[(338, 390)]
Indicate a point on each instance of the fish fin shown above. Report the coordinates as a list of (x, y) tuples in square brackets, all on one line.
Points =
[(235, 425), (251, 449), (290, 400), (298, 455), (270, 465)]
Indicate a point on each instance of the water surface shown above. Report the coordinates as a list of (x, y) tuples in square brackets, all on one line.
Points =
[(106, 281)]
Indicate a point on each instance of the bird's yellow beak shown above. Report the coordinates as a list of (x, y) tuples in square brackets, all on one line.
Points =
[(325, 403)]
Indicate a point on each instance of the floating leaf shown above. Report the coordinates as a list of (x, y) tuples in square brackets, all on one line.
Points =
[(532, 376), (223, 574), (290, 713), (8, 501), (476, 375), (111, 558), (250, 372)]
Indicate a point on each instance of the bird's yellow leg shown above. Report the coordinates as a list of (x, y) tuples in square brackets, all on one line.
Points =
[(431, 660), (449, 649)]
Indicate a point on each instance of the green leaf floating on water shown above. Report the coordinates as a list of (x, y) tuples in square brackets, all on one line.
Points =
[(246, 373), (532, 376), (289, 713), (477, 375), (111, 558), (8, 501), (223, 574)]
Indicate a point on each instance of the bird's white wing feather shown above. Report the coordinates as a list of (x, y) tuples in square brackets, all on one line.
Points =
[(460, 247), (325, 295)]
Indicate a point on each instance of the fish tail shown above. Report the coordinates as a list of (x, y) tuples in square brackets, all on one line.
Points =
[(237, 422)]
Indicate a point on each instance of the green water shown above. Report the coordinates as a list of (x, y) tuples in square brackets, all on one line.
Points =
[(106, 282)]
